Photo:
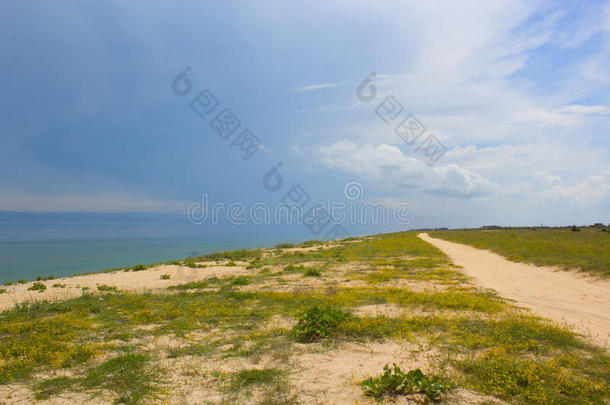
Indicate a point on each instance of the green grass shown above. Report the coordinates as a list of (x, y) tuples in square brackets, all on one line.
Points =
[(527, 380), (129, 376), (588, 250), (254, 376), (485, 341)]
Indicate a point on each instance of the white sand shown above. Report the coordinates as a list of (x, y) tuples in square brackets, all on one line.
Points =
[(560, 295)]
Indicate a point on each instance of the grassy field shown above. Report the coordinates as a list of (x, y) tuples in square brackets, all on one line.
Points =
[(587, 250), (306, 322)]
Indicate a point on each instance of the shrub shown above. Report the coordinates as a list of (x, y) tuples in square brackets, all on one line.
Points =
[(575, 228), (138, 267), (165, 277), (285, 245), (312, 272), (318, 323), (21, 281), (256, 264), (395, 382), (231, 263), (292, 269), (2, 291), (57, 285), (190, 262), (310, 243), (241, 280), (8, 283), (243, 254), (106, 288), (37, 287)]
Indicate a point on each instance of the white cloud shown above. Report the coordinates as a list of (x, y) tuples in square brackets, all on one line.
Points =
[(388, 167), (319, 86), (590, 191)]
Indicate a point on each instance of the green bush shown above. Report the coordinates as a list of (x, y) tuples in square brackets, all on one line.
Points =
[(318, 323), (293, 269), (106, 288), (37, 287), (241, 280), (165, 277), (285, 245), (310, 243), (243, 254), (395, 382), (138, 267), (2, 291), (312, 272)]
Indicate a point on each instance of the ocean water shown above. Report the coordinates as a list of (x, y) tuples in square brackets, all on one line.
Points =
[(34, 245)]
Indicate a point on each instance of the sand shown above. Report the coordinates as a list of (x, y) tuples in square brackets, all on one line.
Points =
[(564, 296)]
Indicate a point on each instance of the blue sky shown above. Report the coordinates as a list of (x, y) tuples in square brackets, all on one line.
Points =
[(516, 91)]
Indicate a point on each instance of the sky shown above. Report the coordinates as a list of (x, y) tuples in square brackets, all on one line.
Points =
[(95, 117)]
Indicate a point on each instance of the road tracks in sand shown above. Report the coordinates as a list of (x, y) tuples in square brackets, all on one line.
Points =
[(563, 296)]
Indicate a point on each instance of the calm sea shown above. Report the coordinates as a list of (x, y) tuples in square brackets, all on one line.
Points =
[(34, 245)]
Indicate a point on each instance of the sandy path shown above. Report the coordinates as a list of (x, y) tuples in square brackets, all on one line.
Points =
[(559, 295)]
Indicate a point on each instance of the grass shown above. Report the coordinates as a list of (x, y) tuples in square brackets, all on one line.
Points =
[(254, 376), (128, 376), (588, 250), (528, 380), (486, 344)]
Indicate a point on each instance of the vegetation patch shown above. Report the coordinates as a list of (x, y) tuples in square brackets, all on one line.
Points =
[(128, 376), (106, 288), (534, 381), (254, 376), (394, 382), (37, 286), (318, 323), (312, 272)]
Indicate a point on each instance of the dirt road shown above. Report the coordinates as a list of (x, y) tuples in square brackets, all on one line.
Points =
[(560, 295)]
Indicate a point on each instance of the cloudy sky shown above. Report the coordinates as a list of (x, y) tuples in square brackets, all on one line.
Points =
[(517, 92)]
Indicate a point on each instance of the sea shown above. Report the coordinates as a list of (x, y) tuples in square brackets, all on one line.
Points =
[(64, 244)]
